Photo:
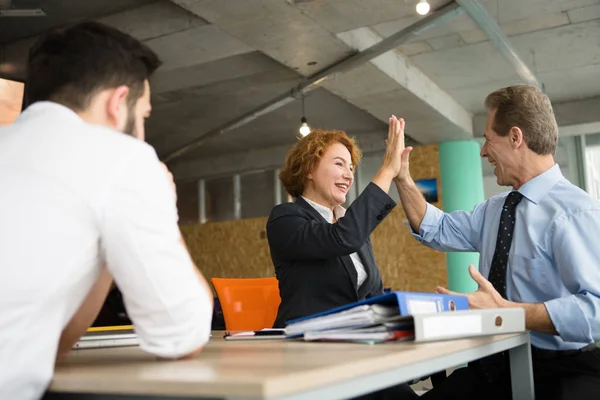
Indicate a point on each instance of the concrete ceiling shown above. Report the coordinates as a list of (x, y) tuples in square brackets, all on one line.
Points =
[(558, 39), (59, 12), (223, 59)]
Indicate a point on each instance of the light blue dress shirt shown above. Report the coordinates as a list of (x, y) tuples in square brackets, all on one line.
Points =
[(554, 257)]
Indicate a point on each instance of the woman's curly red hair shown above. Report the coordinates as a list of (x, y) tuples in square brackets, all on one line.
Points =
[(306, 154)]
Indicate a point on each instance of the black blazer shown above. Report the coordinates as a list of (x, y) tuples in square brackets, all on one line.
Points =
[(312, 257)]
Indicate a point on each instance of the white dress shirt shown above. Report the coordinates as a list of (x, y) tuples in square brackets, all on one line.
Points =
[(339, 213), (74, 197)]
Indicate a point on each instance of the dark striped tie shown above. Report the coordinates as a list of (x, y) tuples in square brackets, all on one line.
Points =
[(491, 367)]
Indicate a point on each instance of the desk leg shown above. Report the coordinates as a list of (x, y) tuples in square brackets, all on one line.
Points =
[(521, 372)]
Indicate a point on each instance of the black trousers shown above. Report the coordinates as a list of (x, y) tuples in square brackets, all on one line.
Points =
[(557, 376)]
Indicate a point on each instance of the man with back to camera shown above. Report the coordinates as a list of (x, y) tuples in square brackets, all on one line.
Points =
[(537, 246), (78, 194)]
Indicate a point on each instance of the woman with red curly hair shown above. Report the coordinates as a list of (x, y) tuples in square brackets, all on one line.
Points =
[(322, 254)]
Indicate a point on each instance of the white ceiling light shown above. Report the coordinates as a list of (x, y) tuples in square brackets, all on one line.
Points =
[(423, 7), (304, 128)]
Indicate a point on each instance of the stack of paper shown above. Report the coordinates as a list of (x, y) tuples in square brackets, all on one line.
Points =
[(358, 316), (400, 329), (381, 318), (406, 316)]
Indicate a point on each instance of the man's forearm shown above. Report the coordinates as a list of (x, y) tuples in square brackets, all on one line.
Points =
[(413, 202), (537, 318), (86, 314)]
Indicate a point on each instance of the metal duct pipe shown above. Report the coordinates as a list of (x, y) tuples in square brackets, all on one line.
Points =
[(482, 18)]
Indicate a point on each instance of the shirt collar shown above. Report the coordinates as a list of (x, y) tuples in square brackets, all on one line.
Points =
[(325, 211), (48, 107), (535, 189)]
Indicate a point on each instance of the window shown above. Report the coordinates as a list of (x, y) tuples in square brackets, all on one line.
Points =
[(219, 199), (258, 194), (592, 165), (592, 160), (187, 202)]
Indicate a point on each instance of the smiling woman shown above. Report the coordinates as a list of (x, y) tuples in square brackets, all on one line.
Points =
[(318, 164), (321, 252), (11, 99)]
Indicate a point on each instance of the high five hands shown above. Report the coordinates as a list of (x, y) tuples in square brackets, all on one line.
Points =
[(396, 151)]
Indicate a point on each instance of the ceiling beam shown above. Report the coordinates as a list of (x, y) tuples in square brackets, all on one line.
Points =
[(435, 105), (257, 160)]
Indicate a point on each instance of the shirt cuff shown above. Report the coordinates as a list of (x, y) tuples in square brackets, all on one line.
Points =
[(569, 320), (431, 221)]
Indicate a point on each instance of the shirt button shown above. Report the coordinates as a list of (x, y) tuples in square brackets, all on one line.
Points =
[(387, 207), (379, 217)]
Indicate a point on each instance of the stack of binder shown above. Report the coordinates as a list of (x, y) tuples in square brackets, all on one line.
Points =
[(401, 316)]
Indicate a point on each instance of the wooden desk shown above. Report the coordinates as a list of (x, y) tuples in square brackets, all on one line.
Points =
[(290, 370)]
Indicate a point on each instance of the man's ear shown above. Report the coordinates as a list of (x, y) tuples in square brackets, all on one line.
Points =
[(516, 137), (116, 106)]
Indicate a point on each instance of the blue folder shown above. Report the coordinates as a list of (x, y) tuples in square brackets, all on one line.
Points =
[(408, 303)]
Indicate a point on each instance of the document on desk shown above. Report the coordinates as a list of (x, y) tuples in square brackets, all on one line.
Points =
[(376, 310), (108, 336), (366, 314), (384, 332)]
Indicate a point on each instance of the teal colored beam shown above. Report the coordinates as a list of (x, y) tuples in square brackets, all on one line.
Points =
[(462, 189)]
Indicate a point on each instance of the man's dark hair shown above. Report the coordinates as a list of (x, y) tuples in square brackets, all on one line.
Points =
[(71, 65)]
